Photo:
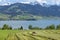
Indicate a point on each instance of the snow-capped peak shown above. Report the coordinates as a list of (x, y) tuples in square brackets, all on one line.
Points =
[(35, 2), (40, 3), (5, 4), (25, 2)]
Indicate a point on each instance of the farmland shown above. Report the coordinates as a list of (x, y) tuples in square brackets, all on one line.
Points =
[(29, 35)]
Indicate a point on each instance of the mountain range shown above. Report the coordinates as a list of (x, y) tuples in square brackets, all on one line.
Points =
[(20, 9)]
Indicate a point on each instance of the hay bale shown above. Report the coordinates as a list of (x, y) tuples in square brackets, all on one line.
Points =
[(34, 33)]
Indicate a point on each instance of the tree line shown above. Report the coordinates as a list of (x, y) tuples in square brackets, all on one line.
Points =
[(30, 27)]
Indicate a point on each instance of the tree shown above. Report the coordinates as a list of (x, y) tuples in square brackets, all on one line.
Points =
[(58, 27), (21, 28), (47, 27), (5, 27), (10, 28), (50, 27), (30, 27)]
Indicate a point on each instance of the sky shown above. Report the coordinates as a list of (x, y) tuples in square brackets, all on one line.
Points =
[(52, 2)]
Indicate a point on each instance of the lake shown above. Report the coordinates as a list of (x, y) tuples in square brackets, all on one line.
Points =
[(39, 23)]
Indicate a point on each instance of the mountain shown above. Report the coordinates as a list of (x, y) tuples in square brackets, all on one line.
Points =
[(28, 9)]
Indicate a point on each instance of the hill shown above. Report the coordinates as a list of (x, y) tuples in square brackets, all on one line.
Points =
[(17, 10)]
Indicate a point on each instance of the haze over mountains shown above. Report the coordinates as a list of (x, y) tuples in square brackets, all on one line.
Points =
[(49, 2), (35, 9)]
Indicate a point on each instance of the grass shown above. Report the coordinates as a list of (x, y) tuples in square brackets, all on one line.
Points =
[(27, 35)]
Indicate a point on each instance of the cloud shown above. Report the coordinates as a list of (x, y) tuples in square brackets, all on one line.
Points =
[(0, 0), (52, 2), (26, 2), (3, 0), (5, 4), (57, 2), (42, 1)]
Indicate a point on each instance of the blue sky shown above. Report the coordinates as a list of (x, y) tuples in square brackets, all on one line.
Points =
[(4, 2)]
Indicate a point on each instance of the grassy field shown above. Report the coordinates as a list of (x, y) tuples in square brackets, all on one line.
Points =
[(30, 35)]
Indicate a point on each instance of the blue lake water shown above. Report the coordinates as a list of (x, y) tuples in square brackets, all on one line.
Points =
[(39, 23)]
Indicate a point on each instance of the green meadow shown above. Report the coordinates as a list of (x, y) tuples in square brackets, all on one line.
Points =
[(29, 34)]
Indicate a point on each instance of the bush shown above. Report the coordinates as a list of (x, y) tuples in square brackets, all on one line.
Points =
[(21, 28), (36, 28), (30, 27), (58, 27), (50, 27), (6, 27)]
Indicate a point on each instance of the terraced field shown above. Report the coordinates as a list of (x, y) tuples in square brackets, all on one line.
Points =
[(30, 35)]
